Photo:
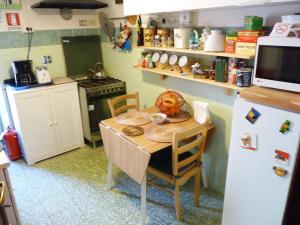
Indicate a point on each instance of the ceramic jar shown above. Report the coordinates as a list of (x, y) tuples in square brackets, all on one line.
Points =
[(185, 64), (164, 61), (173, 61), (149, 34), (215, 42), (155, 59)]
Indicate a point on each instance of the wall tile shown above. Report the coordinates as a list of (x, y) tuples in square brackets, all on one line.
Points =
[(15, 39)]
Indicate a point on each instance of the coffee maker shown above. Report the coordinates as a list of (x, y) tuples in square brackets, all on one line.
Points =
[(23, 73)]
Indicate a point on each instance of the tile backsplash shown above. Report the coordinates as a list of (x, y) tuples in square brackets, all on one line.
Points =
[(16, 39)]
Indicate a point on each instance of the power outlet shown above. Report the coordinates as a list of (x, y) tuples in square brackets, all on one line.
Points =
[(92, 23), (83, 23), (46, 59)]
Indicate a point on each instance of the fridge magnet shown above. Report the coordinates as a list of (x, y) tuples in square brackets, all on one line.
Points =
[(248, 141), (279, 171), (285, 127), (282, 157), (252, 115)]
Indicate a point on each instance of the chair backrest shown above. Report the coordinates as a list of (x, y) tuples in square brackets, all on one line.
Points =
[(116, 108), (185, 142)]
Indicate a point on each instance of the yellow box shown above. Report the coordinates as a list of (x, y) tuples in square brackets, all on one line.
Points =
[(245, 48)]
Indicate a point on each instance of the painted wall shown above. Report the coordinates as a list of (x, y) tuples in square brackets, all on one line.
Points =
[(150, 86)]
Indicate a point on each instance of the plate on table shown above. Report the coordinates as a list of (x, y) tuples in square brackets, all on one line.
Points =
[(161, 133), (136, 118), (179, 117), (133, 131)]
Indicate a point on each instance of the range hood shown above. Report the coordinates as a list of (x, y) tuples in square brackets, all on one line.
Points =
[(71, 4)]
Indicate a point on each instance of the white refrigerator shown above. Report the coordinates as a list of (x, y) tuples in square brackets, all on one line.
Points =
[(263, 152)]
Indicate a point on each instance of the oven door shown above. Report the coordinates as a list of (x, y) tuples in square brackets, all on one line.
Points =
[(99, 110)]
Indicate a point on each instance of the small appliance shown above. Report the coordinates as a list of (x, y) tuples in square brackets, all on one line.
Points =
[(23, 73), (182, 37), (43, 75), (277, 63)]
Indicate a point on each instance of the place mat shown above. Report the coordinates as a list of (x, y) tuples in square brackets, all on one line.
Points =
[(179, 117), (133, 131), (161, 133), (136, 118)]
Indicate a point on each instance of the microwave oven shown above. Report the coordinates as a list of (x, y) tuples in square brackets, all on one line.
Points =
[(277, 63)]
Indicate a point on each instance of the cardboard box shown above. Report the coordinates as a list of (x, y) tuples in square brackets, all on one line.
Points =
[(245, 48), (252, 33), (248, 39)]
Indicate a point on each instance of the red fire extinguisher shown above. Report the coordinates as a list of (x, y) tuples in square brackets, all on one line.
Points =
[(12, 144)]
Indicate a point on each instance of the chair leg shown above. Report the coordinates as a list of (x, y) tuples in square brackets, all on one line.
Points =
[(197, 189), (177, 200)]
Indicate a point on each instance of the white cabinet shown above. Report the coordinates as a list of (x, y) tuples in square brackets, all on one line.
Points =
[(133, 7), (47, 120), (66, 117)]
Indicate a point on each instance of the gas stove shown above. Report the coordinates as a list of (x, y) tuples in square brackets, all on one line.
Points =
[(104, 86), (93, 95)]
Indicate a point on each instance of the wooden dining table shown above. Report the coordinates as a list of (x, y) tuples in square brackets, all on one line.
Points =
[(132, 154)]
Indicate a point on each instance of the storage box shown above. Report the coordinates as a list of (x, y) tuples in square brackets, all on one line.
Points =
[(253, 23), (248, 39), (230, 42), (252, 33), (245, 48)]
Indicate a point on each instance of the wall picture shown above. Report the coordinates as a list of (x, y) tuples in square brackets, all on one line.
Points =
[(10, 4)]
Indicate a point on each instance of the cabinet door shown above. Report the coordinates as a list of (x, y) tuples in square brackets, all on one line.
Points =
[(133, 7), (66, 116), (9, 205), (33, 122)]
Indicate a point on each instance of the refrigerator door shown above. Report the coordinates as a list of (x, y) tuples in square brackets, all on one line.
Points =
[(254, 193)]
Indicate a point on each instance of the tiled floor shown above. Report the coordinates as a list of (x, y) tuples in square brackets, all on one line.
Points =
[(70, 190)]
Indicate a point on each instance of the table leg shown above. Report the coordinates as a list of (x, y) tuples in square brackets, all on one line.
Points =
[(204, 178), (143, 200), (109, 175)]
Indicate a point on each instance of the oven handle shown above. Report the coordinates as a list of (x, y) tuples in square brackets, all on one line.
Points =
[(2, 186)]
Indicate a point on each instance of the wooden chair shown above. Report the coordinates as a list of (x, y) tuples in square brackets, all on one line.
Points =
[(177, 164), (116, 107)]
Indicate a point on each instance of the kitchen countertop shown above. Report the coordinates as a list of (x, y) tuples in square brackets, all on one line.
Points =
[(4, 161)]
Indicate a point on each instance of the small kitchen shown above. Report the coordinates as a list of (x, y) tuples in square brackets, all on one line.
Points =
[(224, 71)]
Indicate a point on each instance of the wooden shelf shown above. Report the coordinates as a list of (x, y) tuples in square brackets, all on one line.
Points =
[(200, 52), (203, 81)]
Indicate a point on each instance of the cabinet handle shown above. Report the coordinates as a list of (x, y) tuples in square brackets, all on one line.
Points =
[(55, 122), (50, 124)]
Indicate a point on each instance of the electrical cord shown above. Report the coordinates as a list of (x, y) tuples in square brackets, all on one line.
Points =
[(29, 40)]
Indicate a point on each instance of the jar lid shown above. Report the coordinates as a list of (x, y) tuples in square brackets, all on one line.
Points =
[(183, 61), (155, 57), (173, 59), (164, 58)]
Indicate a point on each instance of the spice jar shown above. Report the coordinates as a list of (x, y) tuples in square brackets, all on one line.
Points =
[(157, 41)]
